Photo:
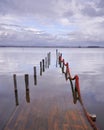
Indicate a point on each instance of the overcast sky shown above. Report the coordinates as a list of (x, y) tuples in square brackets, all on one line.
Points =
[(52, 22)]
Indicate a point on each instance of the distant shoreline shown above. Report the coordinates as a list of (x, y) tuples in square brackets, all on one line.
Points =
[(53, 46)]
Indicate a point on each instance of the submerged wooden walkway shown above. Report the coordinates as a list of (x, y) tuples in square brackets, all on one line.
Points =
[(48, 106)]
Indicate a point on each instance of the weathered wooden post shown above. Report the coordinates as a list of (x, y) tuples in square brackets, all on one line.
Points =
[(35, 76), (43, 65), (15, 89), (92, 116), (27, 87), (63, 66), (60, 60), (16, 97), (49, 58), (27, 96), (41, 68), (27, 82), (15, 82), (66, 73)]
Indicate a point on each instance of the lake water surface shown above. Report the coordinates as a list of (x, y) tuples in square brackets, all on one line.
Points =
[(88, 63)]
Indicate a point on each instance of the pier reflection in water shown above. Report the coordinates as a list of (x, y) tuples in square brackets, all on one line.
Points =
[(88, 63), (27, 91), (44, 64)]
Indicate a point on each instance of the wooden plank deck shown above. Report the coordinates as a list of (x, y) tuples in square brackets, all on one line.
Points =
[(51, 106)]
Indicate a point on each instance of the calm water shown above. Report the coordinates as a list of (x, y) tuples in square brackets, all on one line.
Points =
[(88, 63)]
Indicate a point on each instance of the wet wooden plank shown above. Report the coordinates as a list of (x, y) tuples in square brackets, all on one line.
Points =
[(49, 111)]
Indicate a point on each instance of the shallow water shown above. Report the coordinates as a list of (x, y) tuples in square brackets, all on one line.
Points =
[(88, 63)]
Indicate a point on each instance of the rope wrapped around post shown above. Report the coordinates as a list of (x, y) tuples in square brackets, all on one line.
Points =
[(77, 87)]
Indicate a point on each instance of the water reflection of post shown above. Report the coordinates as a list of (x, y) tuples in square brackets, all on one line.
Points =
[(43, 65), (49, 59), (56, 56), (45, 62), (15, 90), (35, 76), (27, 88), (74, 92)]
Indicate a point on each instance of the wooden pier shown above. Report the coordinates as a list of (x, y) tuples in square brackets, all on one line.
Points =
[(50, 106)]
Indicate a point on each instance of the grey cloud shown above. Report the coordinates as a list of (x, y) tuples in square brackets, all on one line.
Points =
[(93, 8), (101, 4), (58, 13), (15, 33), (68, 13), (26, 7), (51, 9)]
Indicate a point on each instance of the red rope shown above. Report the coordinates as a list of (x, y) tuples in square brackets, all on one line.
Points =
[(77, 86)]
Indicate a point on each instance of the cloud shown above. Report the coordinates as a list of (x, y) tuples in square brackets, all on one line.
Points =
[(60, 21), (93, 9)]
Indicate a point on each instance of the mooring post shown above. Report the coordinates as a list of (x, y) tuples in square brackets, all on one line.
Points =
[(49, 58), (15, 89), (16, 97), (40, 68), (34, 70), (92, 116), (60, 61), (35, 76), (27, 96), (15, 82), (27, 82), (66, 74), (63, 67), (43, 65), (56, 57)]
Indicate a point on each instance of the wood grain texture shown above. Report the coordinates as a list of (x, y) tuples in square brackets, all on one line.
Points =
[(51, 108)]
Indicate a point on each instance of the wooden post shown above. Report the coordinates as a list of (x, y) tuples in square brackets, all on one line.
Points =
[(49, 58), (63, 67), (15, 82), (40, 68), (35, 76), (27, 96), (43, 65), (34, 70), (15, 89), (27, 82), (27, 87), (60, 62), (56, 57), (16, 97), (92, 116), (66, 75)]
